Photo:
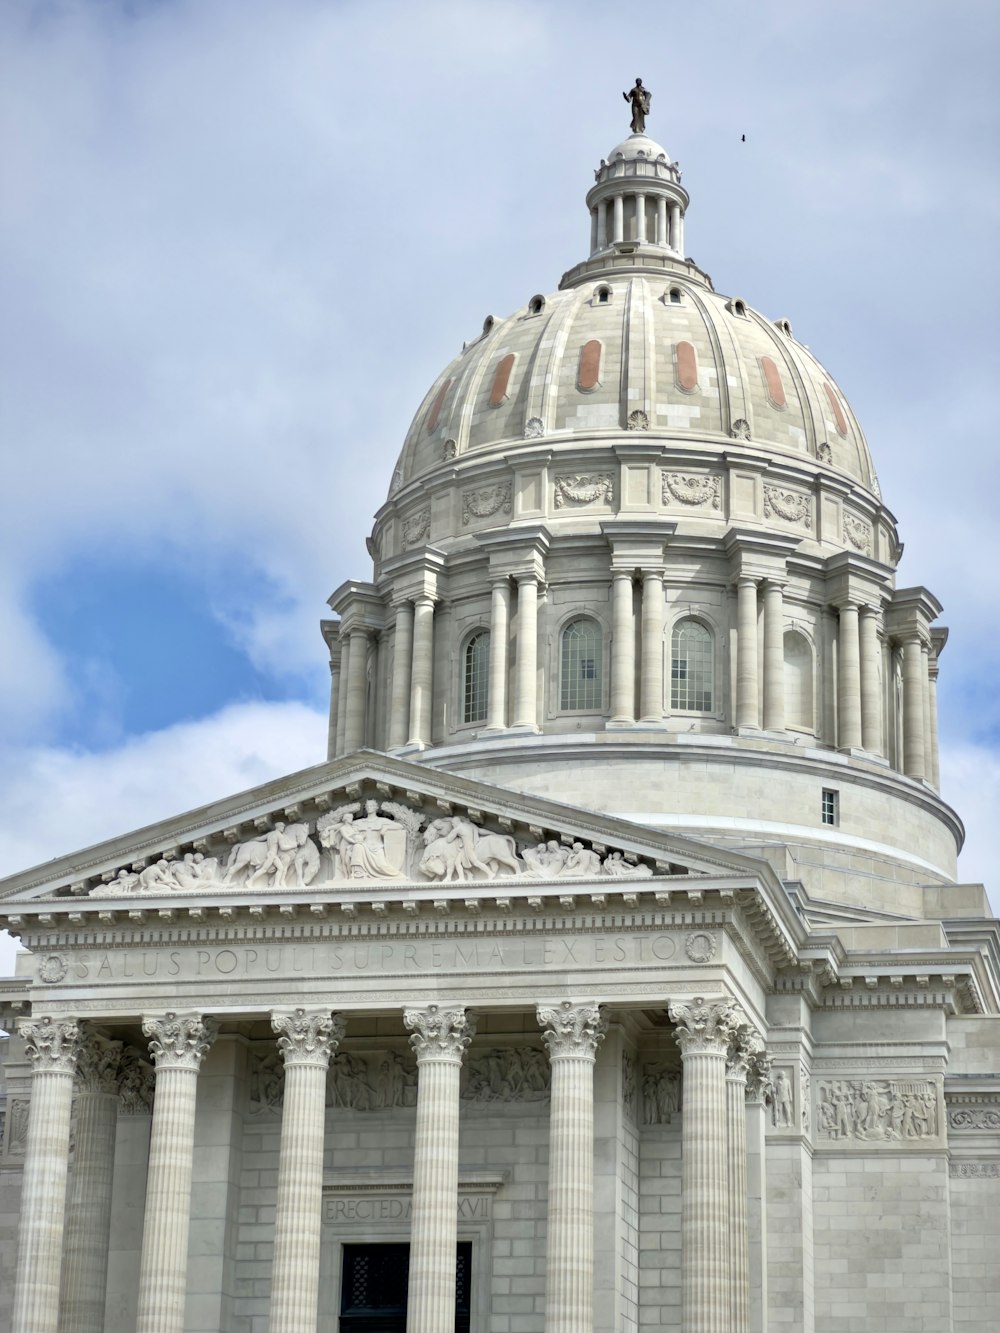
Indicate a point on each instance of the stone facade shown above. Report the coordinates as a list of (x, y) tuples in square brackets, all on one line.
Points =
[(617, 945)]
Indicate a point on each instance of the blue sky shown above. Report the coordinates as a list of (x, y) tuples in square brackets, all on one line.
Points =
[(240, 239)]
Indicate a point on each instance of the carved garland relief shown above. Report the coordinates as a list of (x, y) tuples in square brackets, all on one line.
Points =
[(858, 533), (416, 527), (370, 841), (694, 491), (792, 506), (584, 489), (486, 502)]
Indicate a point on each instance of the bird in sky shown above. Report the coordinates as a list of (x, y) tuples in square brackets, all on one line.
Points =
[(743, 138)]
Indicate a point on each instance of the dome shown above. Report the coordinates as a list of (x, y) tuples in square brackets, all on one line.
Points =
[(638, 145)]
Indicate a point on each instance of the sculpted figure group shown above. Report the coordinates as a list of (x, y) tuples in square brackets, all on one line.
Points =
[(877, 1109), (371, 841)]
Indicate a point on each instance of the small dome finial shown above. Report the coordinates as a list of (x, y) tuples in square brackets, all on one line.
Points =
[(640, 98)]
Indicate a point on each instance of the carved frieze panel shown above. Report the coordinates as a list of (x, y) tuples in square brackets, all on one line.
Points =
[(506, 1074), (629, 1087), (584, 489), (877, 1110), (792, 506), (661, 1094), (975, 1170), (697, 492), (371, 842), (417, 526), (371, 1081), (858, 533), (485, 502), (974, 1117)]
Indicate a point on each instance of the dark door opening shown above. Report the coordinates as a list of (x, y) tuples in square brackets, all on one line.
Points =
[(374, 1283)]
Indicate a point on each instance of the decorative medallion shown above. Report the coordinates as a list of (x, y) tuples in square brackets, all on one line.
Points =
[(53, 969), (974, 1118), (740, 429), (417, 526), (824, 453), (584, 489), (485, 502), (534, 428), (858, 533), (693, 491), (637, 420), (700, 947), (792, 506)]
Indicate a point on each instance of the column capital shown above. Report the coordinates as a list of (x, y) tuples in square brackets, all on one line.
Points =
[(98, 1064), (705, 1026), (307, 1036), (439, 1034), (135, 1084), (572, 1030), (758, 1076), (746, 1043), (179, 1041), (52, 1044)]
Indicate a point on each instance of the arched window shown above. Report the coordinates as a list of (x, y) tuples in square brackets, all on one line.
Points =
[(798, 682), (692, 668), (580, 665), (476, 677)]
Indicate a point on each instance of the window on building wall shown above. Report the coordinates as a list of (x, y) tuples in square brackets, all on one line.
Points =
[(692, 668), (476, 677), (798, 682), (830, 806), (374, 1288), (580, 665)]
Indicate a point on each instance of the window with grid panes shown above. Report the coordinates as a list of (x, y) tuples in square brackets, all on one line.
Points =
[(477, 677), (692, 668), (374, 1284), (580, 666)]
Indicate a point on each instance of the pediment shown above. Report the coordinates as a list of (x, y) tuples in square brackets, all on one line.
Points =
[(371, 825)]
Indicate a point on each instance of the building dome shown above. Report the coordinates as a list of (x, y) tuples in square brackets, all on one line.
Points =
[(634, 553)]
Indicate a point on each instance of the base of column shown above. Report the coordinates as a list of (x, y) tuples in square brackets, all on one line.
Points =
[(747, 731), (653, 724), (411, 747), (523, 729), (621, 724)]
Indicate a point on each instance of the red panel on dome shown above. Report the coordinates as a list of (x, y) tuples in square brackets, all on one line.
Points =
[(772, 382), (686, 367), (438, 403), (589, 374), (838, 411), (501, 379)]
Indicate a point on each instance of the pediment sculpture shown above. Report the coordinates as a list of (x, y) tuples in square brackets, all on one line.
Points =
[(370, 841)]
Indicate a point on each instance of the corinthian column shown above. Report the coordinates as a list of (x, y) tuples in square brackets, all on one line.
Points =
[(744, 1047), (871, 693), (422, 673), (572, 1033), (51, 1044), (306, 1039), (496, 701), (88, 1217), (526, 700), (178, 1046), (439, 1037), (353, 732), (774, 657), (651, 673), (914, 752), (747, 705), (399, 703), (623, 650), (848, 679), (704, 1029)]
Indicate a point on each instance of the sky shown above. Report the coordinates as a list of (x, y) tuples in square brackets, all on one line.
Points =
[(240, 238)]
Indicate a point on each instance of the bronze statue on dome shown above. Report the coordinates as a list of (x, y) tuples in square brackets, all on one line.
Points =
[(640, 98)]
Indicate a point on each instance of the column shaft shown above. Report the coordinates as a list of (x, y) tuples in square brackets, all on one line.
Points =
[(357, 691), (331, 730), (935, 764), (88, 1215), (422, 675), (703, 1032), (439, 1038), (345, 668), (736, 1180), (913, 709), (52, 1047), (871, 695), (675, 226), (178, 1047), (640, 217), (306, 1041), (661, 221), (526, 702), (496, 716), (774, 657), (619, 218), (402, 662), (572, 1034), (848, 679), (602, 225), (593, 230), (651, 674), (925, 690), (747, 689), (623, 650)]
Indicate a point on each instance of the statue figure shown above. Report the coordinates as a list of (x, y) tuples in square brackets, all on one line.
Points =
[(194, 870), (781, 1107), (456, 850), (364, 843), (640, 98)]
